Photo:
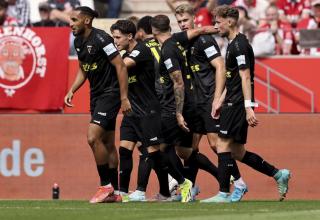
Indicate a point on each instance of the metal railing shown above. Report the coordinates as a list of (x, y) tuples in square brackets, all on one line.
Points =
[(268, 104), (271, 71)]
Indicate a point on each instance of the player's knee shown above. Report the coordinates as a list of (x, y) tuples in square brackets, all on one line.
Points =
[(93, 140)]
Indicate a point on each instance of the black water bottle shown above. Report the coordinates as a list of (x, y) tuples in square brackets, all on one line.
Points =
[(55, 191)]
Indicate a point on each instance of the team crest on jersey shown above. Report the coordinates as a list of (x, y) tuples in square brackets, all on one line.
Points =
[(22, 57), (192, 50), (91, 49)]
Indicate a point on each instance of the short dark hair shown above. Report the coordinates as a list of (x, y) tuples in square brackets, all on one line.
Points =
[(161, 22), (184, 8), (145, 24), (3, 4), (226, 11), (87, 11), (125, 27)]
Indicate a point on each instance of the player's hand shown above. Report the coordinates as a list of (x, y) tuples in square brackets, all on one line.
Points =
[(210, 29), (126, 106), (251, 118), (216, 107), (68, 99), (181, 123)]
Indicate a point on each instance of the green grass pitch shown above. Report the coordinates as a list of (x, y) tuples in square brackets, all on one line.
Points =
[(80, 210)]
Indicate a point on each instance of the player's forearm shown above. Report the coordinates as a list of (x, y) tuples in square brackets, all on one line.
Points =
[(246, 84), (122, 75), (220, 80), (178, 88), (223, 95), (192, 33), (78, 82)]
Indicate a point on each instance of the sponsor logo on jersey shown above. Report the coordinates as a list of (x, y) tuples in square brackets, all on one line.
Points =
[(168, 63), (210, 51), (134, 53), (241, 60), (110, 49)]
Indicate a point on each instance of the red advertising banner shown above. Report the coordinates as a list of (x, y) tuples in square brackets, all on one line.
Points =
[(38, 150), (33, 67)]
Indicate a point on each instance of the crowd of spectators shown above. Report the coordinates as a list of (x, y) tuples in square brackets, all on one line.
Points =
[(272, 26)]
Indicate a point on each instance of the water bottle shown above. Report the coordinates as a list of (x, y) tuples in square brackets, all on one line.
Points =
[(55, 191)]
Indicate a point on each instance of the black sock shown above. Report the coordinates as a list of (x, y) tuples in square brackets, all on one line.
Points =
[(104, 174), (113, 172), (125, 168), (235, 171), (225, 166), (205, 164), (162, 174), (144, 170), (161, 160), (191, 167), (174, 159), (256, 162)]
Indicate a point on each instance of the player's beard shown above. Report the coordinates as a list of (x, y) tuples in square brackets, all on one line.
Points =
[(79, 32)]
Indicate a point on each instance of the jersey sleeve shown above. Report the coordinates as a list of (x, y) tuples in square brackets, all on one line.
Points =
[(241, 54), (140, 54), (209, 46), (170, 59), (106, 42)]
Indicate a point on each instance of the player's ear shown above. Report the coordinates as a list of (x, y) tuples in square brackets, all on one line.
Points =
[(230, 22), (87, 20), (130, 36)]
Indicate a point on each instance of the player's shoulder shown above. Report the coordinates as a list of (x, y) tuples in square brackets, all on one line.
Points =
[(151, 42), (240, 42), (205, 38), (100, 36)]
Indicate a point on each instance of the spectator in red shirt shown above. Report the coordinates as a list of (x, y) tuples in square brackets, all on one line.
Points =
[(6, 20), (313, 22), (293, 10), (281, 31), (203, 10)]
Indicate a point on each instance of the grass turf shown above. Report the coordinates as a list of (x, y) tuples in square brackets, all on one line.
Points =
[(80, 210)]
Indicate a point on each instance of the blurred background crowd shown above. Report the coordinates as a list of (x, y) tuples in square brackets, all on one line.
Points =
[(273, 27)]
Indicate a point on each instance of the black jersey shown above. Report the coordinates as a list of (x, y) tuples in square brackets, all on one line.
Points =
[(173, 58), (154, 47), (95, 54), (239, 56), (141, 79), (201, 52)]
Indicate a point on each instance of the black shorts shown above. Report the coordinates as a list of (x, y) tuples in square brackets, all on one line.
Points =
[(233, 123), (172, 134), (146, 129), (203, 121), (104, 111)]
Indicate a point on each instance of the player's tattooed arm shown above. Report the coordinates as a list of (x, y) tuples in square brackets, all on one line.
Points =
[(178, 86)]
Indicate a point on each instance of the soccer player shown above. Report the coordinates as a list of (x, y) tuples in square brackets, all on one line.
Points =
[(177, 100), (206, 62), (237, 111), (144, 122), (101, 63)]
